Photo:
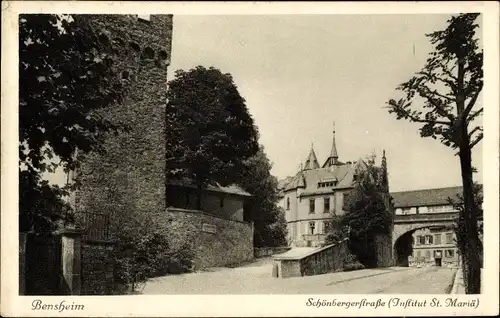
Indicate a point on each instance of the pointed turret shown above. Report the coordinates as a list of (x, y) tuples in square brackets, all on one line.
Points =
[(332, 160), (312, 161)]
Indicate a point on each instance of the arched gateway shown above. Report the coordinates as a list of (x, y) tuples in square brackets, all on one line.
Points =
[(423, 209)]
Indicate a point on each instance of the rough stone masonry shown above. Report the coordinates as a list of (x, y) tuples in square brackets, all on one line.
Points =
[(132, 173)]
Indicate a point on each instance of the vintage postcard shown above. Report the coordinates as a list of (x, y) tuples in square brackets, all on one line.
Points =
[(249, 159)]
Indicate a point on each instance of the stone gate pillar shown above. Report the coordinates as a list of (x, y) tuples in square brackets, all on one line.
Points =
[(71, 261)]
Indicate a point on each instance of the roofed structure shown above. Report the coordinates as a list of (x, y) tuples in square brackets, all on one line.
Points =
[(230, 189), (426, 197), (311, 161)]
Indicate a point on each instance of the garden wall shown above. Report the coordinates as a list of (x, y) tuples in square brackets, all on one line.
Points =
[(216, 241)]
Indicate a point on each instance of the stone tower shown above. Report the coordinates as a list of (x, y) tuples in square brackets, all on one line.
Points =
[(131, 174)]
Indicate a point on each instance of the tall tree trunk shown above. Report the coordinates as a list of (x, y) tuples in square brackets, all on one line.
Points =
[(471, 248)]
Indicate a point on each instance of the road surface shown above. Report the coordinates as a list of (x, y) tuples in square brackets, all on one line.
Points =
[(256, 278)]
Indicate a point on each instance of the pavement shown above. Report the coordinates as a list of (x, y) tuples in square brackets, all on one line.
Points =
[(458, 283), (255, 278)]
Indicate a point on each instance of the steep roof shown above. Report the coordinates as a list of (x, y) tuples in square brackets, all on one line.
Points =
[(311, 161), (333, 158), (283, 182), (425, 197), (309, 179)]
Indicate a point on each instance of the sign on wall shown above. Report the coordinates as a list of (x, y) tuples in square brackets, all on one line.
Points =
[(208, 228)]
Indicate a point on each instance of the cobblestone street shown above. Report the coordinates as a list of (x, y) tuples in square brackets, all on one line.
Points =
[(255, 278)]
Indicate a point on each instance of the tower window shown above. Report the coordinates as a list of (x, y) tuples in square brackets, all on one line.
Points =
[(326, 205), (148, 53), (288, 203), (221, 202), (134, 46), (311, 206)]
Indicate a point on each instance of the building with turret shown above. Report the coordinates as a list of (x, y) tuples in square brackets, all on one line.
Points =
[(313, 198)]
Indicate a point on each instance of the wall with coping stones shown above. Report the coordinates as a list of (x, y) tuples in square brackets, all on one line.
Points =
[(321, 261), (130, 177), (269, 251), (232, 242)]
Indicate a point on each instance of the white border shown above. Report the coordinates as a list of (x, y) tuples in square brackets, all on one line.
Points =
[(248, 305)]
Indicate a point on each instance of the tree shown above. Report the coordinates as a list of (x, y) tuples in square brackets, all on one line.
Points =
[(461, 228), (447, 89), (211, 132), (66, 78), (269, 220), (367, 215)]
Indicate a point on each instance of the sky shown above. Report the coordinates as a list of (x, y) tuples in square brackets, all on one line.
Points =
[(300, 73)]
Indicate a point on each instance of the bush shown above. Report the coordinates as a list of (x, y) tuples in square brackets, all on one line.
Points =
[(351, 263), (141, 252)]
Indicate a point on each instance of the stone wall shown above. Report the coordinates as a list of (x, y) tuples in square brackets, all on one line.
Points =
[(216, 241), (320, 261), (97, 268), (130, 176)]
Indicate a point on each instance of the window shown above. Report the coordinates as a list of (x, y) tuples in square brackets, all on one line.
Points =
[(440, 209), (221, 202), (427, 254), (437, 239), (288, 203), (327, 226), (311, 206), (421, 240), (419, 254), (312, 227), (449, 238), (429, 240), (449, 253), (405, 211), (326, 205), (346, 197)]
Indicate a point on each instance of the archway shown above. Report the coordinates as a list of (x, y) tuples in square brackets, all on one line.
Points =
[(403, 248), (403, 239)]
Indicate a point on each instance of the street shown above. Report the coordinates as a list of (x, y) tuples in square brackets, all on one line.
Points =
[(255, 278)]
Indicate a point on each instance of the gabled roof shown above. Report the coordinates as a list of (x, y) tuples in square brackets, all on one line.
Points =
[(230, 189), (425, 197), (309, 179)]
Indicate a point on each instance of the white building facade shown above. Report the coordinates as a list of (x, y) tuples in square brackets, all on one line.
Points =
[(313, 199)]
